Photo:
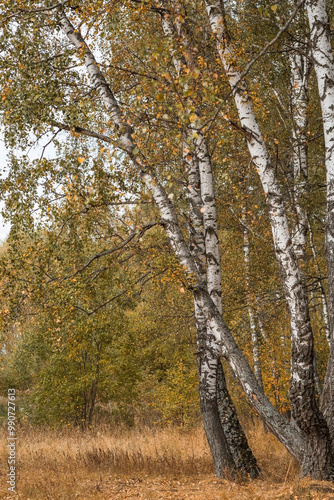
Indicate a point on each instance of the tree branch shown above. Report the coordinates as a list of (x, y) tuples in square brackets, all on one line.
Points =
[(33, 11), (267, 47), (84, 131), (115, 249)]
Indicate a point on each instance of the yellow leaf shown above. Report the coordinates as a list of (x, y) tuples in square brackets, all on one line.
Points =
[(81, 159)]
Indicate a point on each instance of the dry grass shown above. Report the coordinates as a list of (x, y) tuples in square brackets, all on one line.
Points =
[(161, 464)]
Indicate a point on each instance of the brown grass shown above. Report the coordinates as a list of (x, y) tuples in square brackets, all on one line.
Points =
[(147, 464)]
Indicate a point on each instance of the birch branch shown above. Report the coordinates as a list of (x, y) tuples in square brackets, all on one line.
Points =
[(267, 47), (84, 131)]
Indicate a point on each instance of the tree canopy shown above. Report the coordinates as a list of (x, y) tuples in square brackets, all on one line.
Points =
[(181, 219)]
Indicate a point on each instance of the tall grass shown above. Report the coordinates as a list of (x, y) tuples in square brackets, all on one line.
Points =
[(146, 463)]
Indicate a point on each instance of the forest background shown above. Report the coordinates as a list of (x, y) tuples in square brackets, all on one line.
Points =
[(97, 313)]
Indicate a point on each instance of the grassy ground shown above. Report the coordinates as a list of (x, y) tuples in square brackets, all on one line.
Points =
[(131, 464)]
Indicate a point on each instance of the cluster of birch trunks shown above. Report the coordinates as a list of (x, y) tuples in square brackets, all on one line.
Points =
[(309, 434)]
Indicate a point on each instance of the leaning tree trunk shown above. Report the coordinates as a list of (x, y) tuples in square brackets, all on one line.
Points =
[(317, 460), (323, 61), (245, 462)]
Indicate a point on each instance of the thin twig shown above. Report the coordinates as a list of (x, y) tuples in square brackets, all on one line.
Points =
[(265, 49), (39, 9), (115, 249)]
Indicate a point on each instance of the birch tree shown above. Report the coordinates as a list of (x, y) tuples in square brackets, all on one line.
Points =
[(322, 53), (318, 454), (162, 135)]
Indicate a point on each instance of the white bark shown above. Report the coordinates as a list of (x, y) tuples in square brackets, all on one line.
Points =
[(300, 69), (196, 230), (260, 156), (210, 222), (202, 156), (323, 61), (168, 216), (288, 435), (317, 459), (204, 215), (253, 330), (100, 84)]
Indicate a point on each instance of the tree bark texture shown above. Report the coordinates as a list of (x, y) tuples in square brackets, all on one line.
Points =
[(244, 459), (300, 70), (223, 458)]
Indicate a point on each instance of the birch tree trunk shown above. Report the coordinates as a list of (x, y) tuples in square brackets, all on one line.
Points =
[(235, 436), (317, 460), (289, 435), (208, 361), (323, 60), (300, 70), (253, 330), (222, 453)]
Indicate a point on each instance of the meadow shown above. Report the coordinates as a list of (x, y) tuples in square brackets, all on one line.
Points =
[(158, 463)]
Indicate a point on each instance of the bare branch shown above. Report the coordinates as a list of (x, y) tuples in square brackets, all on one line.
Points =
[(116, 249), (267, 47), (33, 11), (142, 279), (84, 131)]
